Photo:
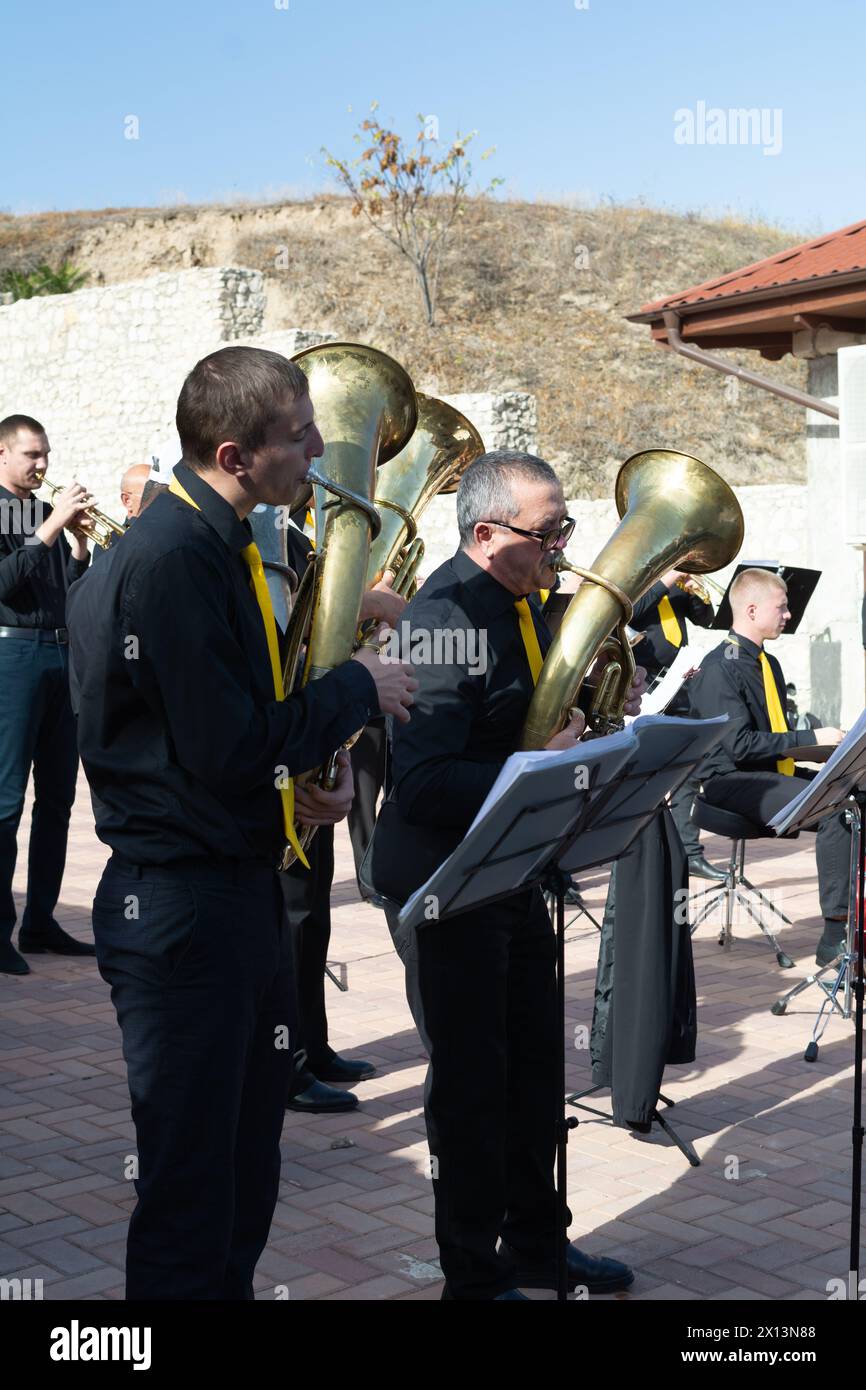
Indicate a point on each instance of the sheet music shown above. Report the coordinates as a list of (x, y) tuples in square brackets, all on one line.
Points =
[(617, 747), (655, 751), (834, 766), (657, 700), (518, 763)]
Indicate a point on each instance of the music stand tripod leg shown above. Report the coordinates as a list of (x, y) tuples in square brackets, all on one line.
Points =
[(781, 1004), (858, 849), (557, 883), (685, 1148)]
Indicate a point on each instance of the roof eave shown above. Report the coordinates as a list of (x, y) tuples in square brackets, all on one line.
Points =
[(792, 289)]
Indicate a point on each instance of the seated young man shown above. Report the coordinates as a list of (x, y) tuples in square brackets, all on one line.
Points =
[(748, 771)]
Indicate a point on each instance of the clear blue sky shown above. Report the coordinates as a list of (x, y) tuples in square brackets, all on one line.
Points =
[(234, 98)]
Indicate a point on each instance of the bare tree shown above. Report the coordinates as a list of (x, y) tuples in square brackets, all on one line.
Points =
[(412, 197)]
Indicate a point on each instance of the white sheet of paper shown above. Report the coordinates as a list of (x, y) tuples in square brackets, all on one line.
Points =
[(788, 814), (657, 701)]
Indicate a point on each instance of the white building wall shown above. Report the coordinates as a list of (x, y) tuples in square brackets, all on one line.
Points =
[(836, 650)]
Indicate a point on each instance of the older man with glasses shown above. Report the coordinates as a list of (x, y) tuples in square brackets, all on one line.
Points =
[(481, 984)]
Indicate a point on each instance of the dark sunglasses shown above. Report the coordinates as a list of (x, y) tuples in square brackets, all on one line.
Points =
[(563, 532)]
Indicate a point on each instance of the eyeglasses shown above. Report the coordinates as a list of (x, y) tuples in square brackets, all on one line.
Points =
[(563, 532)]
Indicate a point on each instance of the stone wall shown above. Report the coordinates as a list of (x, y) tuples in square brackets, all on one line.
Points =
[(102, 369), (505, 420)]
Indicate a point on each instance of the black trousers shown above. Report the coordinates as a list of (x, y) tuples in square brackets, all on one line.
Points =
[(368, 769), (681, 810), (198, 960), (482, 991), (307, 896), (760, 796), (37, 729)]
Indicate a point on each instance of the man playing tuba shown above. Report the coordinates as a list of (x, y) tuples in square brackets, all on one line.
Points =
[(481, 985), (186, 742)]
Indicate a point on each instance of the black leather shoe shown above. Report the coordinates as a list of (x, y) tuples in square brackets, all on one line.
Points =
[(828, 951), (596, 1276), (342, 1069), (53, 939), (10, 961), (699, 867), (320, 1099)]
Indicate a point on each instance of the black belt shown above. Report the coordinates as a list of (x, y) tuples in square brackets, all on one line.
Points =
[(37, 634), (195, 867)]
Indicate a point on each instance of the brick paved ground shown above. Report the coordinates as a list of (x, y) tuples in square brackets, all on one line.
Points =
[(354, 1218)]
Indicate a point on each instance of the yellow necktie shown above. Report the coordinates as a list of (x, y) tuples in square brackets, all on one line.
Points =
[(530, 638), (778, 722), (253, 560), (670, 623), (310, 528)]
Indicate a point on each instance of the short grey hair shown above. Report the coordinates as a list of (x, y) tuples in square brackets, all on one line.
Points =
[(485, 491)]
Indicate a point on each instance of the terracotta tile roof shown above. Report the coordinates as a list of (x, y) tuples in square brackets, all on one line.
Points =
[(832, 255)]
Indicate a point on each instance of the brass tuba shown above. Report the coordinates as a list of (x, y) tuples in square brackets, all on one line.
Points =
[(366, 410), (433, 462), (676, 514)]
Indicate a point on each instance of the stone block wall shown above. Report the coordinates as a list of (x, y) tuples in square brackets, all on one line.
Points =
[(102, 369)]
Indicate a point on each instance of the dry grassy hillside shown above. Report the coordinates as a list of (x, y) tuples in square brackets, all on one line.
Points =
[(516, 311)]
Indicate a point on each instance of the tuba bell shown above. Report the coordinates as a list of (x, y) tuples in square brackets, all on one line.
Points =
[(676, 514), (433, 462), (366, 410)]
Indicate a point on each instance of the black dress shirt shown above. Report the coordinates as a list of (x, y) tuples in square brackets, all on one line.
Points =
[(655, 652), (178, 728), (463, 726), (731, 681), (34, 577), (113, 537)]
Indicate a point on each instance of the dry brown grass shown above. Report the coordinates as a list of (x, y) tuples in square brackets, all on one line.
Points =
[(516, 312)]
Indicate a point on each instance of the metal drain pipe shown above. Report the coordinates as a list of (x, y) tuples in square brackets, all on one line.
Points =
[(718, 364)]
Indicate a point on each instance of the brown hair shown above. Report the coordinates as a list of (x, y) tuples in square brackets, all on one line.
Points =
[(234, 394), (10, 427)]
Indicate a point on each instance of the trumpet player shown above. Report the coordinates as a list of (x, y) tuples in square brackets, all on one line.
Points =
[(37, 730), (190, 749), (663, 615)]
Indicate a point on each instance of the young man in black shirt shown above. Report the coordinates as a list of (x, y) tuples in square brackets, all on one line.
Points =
[(748, 771), (189, 749), (37, 566)]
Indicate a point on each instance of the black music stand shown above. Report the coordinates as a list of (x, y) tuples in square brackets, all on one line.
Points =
[(543, 827), (841, 786), (801, 586)]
